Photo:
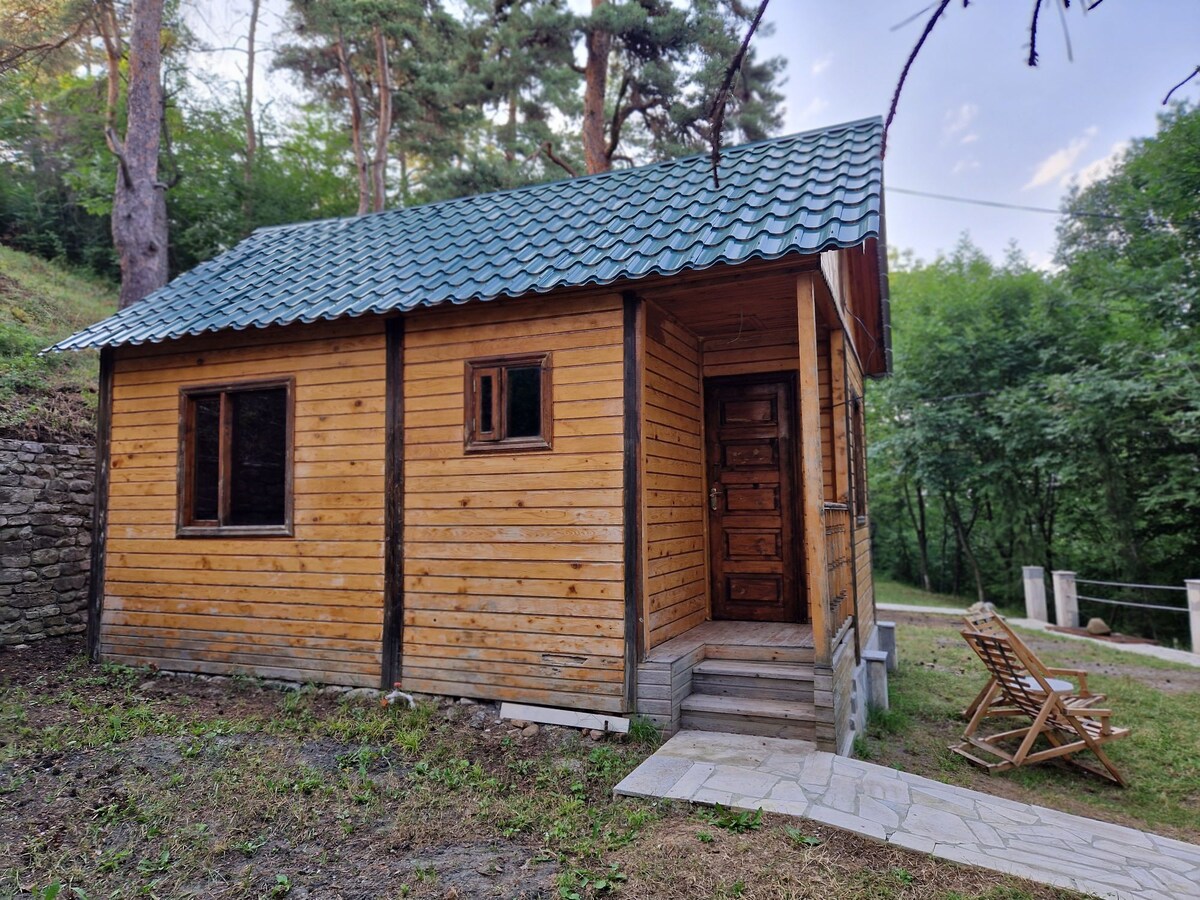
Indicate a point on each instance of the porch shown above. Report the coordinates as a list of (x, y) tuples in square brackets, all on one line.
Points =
[(756, 602)]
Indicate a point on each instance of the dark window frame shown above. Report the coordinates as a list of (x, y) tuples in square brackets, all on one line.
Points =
[(185, 525), (495, 439), (858, 458)]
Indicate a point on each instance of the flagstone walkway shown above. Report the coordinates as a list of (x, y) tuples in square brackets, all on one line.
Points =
[(950, 822)]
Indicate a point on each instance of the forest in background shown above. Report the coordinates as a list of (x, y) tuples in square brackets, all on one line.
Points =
[(400, 102), (1034, 417), (1053, 419)]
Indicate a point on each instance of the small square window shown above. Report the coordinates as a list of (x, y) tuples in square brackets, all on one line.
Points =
[(508, 404), (235, 458)]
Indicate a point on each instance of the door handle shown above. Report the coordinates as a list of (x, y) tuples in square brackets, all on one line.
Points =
[(714, 497)]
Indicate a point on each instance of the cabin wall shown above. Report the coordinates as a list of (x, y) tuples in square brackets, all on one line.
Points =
[(305, 608), (513, 563), (673, 448), (862, 532), (825, 378)]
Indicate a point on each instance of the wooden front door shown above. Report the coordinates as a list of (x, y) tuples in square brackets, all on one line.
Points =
[(752, 498)]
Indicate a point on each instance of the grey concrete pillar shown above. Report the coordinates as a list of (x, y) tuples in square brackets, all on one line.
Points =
[(1066, 601), (1034, 578), (887, 643), (1193, 595), (877, 679)]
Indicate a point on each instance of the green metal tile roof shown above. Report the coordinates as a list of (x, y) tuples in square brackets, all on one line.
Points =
[(790, 195)]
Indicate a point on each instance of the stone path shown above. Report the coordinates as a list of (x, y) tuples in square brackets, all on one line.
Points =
[(954, 823)]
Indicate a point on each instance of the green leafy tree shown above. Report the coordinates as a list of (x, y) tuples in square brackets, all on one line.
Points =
[(1053, 419)]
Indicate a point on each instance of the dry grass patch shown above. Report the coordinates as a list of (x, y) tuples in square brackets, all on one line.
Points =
[(116, 783)]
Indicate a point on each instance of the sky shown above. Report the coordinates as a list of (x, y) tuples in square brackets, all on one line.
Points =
[(974, 120)]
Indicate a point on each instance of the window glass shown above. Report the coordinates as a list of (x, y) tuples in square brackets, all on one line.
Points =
[(258, 457), (206, 457), (486, 388), (523, 403)]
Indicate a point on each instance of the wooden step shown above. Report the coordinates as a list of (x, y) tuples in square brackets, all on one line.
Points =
[(750, 715), (764, 680), (759, 653)]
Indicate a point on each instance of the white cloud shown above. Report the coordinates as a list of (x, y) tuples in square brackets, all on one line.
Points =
[(957, 122), (819, 67), (1102, 167), (1058, 166), (964, 165)]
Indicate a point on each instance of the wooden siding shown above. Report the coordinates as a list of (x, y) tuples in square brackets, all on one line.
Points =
[(862, 533), (514, 561), (676, 552), (825, 384), (307, 607), (832, 695)]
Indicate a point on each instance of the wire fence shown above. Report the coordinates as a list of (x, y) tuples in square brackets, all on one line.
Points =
[(1143, 610)]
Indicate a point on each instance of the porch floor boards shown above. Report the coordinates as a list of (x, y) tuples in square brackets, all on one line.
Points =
[(782, 636)]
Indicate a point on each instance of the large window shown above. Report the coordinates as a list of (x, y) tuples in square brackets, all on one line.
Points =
[(508, 403), (236, 459)]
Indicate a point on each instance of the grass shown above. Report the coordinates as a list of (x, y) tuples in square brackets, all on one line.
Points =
[(1159, 701), (53, 397), (887, 591), (114, 783)]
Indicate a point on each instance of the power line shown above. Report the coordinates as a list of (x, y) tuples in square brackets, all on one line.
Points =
[(996, 204)]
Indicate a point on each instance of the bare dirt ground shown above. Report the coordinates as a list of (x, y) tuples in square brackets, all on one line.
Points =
[(118, 783)]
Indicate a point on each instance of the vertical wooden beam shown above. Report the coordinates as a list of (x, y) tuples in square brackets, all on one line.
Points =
[(843, 465), (634, 361), (816, 576), (393, 514), (100, 504)]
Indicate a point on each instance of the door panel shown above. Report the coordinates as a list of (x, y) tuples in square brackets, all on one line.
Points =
[(752, 500)]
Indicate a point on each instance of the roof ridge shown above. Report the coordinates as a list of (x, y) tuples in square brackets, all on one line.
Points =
[(573, 179)]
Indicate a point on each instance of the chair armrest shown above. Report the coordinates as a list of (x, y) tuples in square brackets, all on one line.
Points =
[(1081, 674), (1086, 712)]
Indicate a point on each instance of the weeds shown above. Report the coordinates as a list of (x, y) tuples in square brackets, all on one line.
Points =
[(737, 821)]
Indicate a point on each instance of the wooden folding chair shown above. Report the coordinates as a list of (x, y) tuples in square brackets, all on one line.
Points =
[(1068, 725), (993, 623)]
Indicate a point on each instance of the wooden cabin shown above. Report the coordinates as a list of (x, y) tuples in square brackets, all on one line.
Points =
[(596, 445)]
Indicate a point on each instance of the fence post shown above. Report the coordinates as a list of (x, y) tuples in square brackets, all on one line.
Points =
[(1066, 602), (1035, 593), (1193, 595)]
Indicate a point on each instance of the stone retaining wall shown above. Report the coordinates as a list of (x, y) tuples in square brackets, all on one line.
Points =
[(45, 539)]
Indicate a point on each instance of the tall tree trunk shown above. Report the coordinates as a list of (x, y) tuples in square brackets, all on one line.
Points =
[(356, 141), (963, 533), (919, 526), (384, 127), (595, 78), (139, 217), (248, 116), (110, 34)]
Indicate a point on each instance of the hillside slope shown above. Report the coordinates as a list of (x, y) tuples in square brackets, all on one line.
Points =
[(47, 398)]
